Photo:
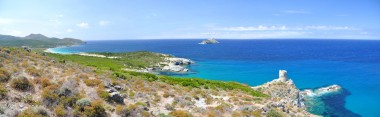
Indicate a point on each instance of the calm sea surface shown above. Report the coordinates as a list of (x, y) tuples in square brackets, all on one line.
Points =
[(353, 64)]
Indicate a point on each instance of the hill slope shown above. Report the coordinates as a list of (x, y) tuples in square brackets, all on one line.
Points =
[(37, 41), (36, 85)]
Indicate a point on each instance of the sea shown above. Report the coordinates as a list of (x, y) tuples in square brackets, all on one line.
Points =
[(311, 64)]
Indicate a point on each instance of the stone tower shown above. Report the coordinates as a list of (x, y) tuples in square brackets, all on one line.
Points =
[(283, 76)]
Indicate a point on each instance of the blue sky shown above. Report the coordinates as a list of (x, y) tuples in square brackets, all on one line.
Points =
[(186, 19)]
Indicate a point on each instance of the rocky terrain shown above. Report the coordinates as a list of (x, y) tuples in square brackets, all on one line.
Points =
[(284, 95), (33, 84)]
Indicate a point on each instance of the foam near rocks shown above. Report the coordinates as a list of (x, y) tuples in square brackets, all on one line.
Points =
[(321, 91)]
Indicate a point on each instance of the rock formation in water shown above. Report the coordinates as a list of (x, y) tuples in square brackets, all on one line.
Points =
[(209, 41), (284, 95)]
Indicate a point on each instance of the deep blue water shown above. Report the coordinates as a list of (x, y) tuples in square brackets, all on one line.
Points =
[(353, 64)]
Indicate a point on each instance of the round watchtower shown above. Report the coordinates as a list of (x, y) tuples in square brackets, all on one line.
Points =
[(283, 76)]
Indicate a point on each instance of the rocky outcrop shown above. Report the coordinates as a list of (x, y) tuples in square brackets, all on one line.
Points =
[(284, 96), (176, 64), (321, 91), (169, 64), (114, 93), (209, 41)]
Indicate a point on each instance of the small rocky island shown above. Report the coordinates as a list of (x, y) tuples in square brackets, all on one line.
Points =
[(209, 41)]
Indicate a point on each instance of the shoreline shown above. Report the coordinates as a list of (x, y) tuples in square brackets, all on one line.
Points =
[(170, 64)]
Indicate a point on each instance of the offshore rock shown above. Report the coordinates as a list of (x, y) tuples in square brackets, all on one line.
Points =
[(209, 41)]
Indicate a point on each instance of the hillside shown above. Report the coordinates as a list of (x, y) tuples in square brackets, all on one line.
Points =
[(59, 85), (37, 41)]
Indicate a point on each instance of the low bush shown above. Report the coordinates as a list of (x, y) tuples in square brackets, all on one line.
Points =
[(83, 102), (34, 112), (33, 71), (102, 93), (92, 82), (21, 84), (45, 82), (60, 111), (3, 91), (83, 76), (4, 75), (50, 95), (274, 113), (95, 110), (180, 113), (120, 110)]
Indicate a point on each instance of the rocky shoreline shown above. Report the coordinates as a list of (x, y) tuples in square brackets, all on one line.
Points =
[(169, 64), (286, 96), (321, 91)]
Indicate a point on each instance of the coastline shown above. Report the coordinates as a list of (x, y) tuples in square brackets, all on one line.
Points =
[(170, 64), (301, 83)]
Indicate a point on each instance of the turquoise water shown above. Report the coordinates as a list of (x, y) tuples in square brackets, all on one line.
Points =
[(353, 64)]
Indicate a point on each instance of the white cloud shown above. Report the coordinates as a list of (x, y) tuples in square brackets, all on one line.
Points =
[(103, 23), (322, 27), (5, 21), (231, 35), (284, 28), (83, 25), (55, 21), (253, 28), (296, 12), (13, 32), (69, 30), (59, 15)]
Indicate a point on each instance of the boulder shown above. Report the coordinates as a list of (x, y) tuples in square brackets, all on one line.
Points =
[(115, 96), (117, 87)]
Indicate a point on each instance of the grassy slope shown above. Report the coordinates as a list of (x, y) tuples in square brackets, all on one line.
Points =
[(135, 58)]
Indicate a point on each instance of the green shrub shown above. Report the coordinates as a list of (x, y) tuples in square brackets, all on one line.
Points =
[(45, 82), (22, 84), (95, 110), (3, 91), (274, 113), (180, 113), (120, 110), (34, 112), (92, 82), (50, 95), (4, 75), (60, 111), (83, 102), (33, 71), (102, 93)]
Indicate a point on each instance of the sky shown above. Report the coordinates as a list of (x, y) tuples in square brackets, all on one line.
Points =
[(190, 19)]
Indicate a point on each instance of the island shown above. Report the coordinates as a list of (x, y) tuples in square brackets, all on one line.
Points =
[(209, 41)]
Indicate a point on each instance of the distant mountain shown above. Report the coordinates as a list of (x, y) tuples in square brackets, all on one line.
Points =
[(37, 37), (37, 41)]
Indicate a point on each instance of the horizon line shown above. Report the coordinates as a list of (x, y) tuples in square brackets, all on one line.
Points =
[(235, 39)]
